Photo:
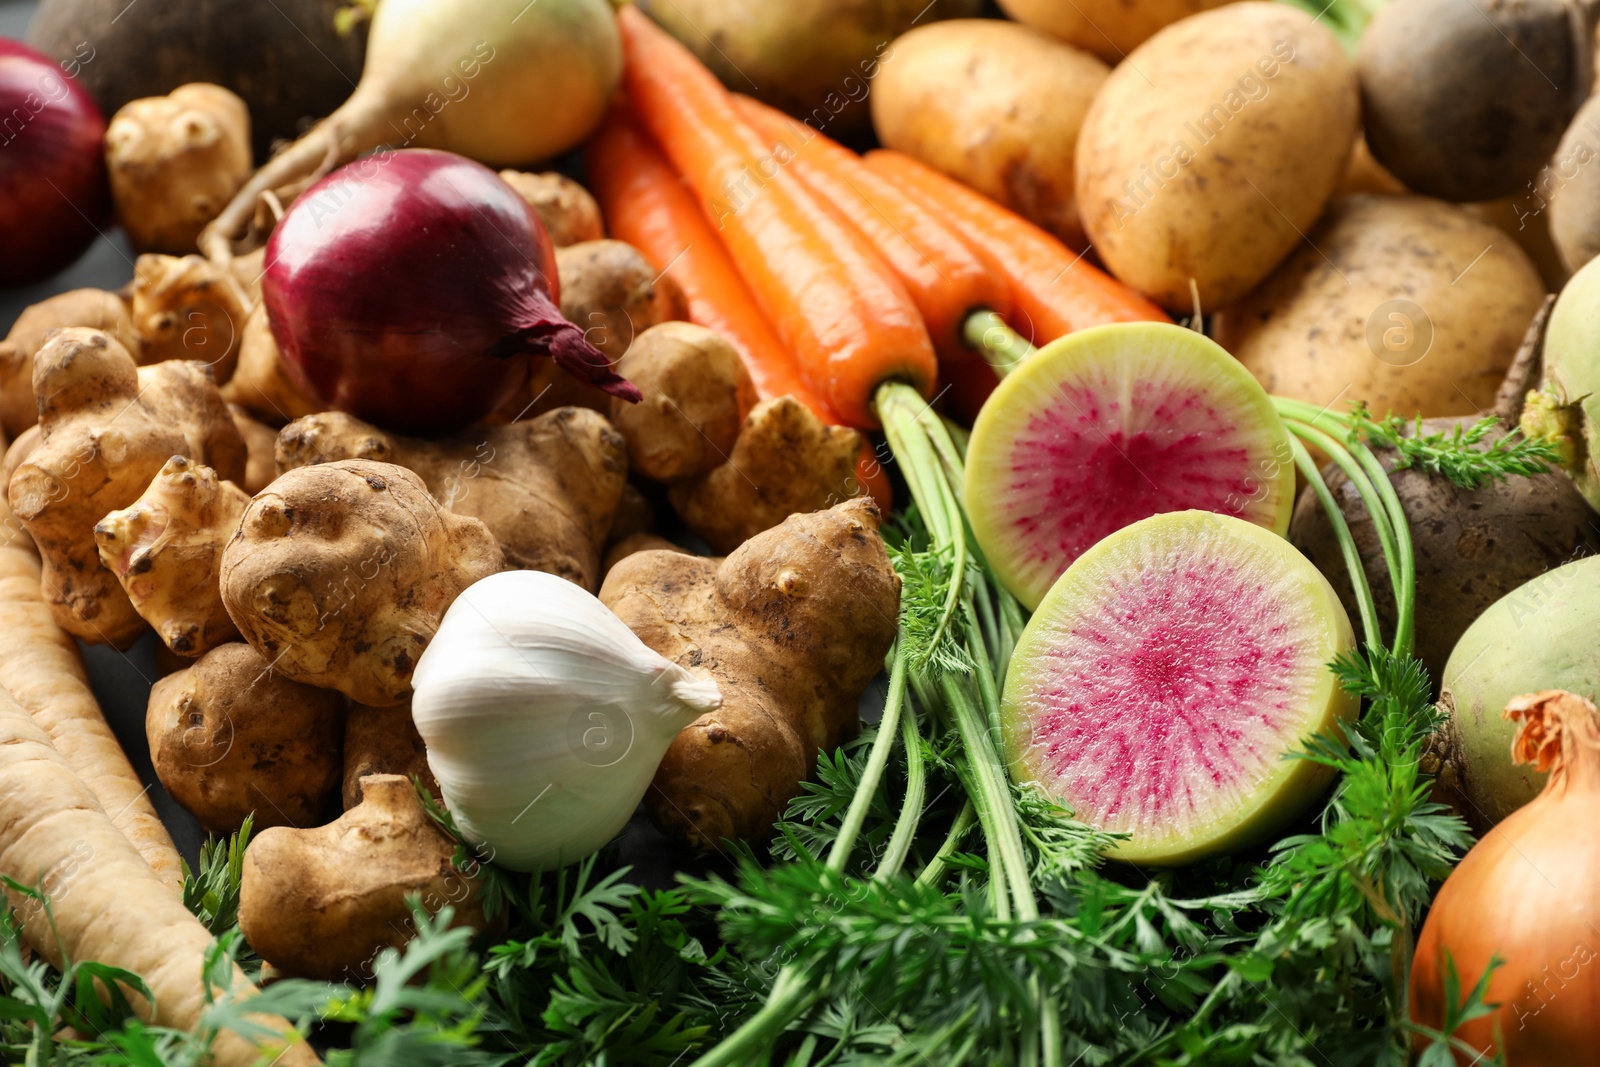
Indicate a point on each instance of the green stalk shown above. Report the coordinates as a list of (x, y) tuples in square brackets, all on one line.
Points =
[(1371, 499), (988, 335), (789, 1000), (877, 761), (1405, 590), (905, 827), (933, 873), (1347, 544)]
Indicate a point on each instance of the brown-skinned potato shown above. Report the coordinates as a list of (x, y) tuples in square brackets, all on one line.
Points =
[(230, 736)]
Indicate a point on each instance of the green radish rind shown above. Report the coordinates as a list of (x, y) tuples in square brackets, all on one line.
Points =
[(1135, 356), (1285, 785)]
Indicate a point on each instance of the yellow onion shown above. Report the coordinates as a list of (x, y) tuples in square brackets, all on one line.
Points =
[(1529, 894)]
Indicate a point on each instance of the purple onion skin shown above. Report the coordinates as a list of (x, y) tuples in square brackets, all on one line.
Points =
[(408, 289), (54, 192)]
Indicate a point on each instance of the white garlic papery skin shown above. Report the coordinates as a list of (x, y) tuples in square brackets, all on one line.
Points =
[(545, 717)]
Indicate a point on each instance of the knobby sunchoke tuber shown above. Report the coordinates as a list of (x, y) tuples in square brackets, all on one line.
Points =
[(546, 488), (107, 427), (166, 550), (94, 308), (565, 208), (175, 162), (792, 626), (339, 574), (382, 741), (259, 383), (230, 736), (186, 308), (323, 903)]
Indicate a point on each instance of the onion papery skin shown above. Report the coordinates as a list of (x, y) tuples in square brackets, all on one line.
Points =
[(1529, 893), (408, 289), (54, 192)]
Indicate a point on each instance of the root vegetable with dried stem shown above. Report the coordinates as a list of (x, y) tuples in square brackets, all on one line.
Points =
[(166, 550), (339, 574), (107, 428), (231, 737)]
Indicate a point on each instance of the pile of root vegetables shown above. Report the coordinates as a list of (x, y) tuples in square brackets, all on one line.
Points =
[(638, 580)]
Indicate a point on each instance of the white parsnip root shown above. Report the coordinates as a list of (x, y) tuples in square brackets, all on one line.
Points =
[(107, 904), (42, 669)]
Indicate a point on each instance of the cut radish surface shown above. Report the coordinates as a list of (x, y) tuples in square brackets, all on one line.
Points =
[(1111, 425), (1161, 684)]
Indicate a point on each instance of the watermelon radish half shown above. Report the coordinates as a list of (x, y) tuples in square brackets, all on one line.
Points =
[(1161, 684), (1108, 426)]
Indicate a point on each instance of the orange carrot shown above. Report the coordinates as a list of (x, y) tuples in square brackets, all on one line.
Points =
[(945, 278), (946, 281), (646, 205), (835, 305), (1053, 291)]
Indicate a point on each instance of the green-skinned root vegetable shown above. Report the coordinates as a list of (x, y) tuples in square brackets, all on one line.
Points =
[(166, 550), (107, 904), (230, 737), (544, 718), (1566, 409), (175, 160), (547, 488), (108, 427), (1472, 546), (1525, 896), (792, 626), (323, 902), (1539, 634), (1166, 677), (339, 574), (499, 81), (94, 308)]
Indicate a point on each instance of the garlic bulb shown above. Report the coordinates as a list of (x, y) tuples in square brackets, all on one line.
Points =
[(545, 717)]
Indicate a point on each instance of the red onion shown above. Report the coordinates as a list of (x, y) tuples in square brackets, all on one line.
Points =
[(54, 194), (407, 288)]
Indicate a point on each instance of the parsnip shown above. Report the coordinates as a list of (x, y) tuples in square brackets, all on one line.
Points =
[(108, 905), (41, 667)]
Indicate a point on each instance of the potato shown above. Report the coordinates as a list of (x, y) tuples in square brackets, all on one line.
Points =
[(1108, 28), (992, 104), (1213, 149), (814, 59), (1410, 304), (1466, 99)]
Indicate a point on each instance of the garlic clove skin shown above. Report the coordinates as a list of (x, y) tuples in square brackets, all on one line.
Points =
[(544, 717)]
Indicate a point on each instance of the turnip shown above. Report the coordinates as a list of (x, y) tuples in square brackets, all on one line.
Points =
[(1111, 425), (498, 81), (1165, 677)]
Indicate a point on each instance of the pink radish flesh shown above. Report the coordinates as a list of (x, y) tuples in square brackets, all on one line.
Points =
[(1091, 464), (1166, 677)]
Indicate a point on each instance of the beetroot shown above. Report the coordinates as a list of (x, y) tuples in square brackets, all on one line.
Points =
[(1162, 682), (408, 288), (1109, 426)]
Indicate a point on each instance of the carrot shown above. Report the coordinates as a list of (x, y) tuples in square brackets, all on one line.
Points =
[(107, 905), (1053, 291), (945, 278), (41, 667), (838, 308), (646, 205)]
